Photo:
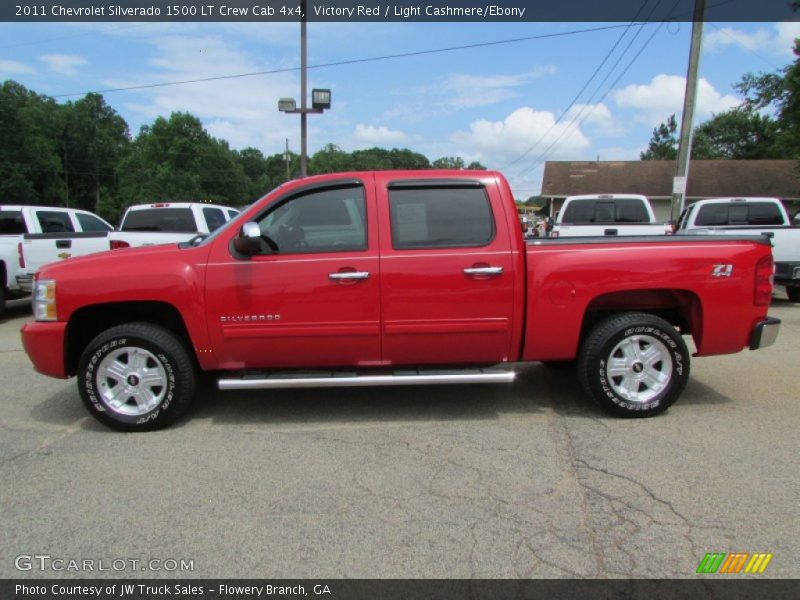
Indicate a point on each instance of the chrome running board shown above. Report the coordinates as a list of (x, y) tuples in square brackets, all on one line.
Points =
[(343, 379)]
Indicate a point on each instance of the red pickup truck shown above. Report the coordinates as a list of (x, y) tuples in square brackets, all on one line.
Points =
[(391, 278)]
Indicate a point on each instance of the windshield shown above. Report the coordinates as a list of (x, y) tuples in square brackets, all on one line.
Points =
[(172, 220), (627, 210)]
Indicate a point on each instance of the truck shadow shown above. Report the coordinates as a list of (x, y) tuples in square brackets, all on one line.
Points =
[(531, 394), (538, 389)]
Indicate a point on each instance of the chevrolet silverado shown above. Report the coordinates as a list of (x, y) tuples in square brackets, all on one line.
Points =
[(393, 278)]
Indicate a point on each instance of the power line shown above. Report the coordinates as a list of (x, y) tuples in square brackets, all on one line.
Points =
[(69, 37), (592, 107), (608, 91), (348, 62), (580, 92)]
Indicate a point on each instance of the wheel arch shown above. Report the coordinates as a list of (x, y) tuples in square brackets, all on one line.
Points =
[(89, 321), (681, 308)]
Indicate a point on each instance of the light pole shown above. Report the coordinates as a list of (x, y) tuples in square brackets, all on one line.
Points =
[(320, 99)]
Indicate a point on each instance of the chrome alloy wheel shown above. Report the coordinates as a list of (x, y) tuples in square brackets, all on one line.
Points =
[(639, 368), (131, 381)]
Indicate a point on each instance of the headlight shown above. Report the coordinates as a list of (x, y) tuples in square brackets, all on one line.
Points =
[(44, 300)]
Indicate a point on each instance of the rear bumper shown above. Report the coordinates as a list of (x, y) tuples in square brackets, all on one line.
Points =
[(765, 333), (25, 282), (787, 273), (44, 345)]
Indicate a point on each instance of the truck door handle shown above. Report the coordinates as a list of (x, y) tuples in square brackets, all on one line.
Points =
[(63, 243), (483, 271), (611, 232), (348, 275)]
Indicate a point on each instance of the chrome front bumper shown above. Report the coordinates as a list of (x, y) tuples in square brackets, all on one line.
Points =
[(765, 333), (25, 282)]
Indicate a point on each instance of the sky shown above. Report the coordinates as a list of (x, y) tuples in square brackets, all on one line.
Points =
[(510, 105)]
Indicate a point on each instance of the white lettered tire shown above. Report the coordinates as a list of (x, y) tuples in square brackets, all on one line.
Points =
[(634, 364), (136, 377)]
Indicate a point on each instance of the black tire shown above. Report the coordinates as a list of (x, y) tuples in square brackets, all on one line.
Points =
[(793, 293), (160, 353), (666, 364), (2, 298)]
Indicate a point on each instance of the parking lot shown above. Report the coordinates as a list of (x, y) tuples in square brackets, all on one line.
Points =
[(529, 480)]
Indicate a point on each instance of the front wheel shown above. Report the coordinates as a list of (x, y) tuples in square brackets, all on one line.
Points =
[(136, 377), (793, 293), (634, 364)]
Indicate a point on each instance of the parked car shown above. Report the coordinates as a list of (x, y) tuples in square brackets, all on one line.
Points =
[(607, 214), (142, 225), (751, 216), (20, 224), (171, 222), (393, 278)]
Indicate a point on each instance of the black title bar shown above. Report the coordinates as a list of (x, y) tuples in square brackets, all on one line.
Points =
[(395, 10)]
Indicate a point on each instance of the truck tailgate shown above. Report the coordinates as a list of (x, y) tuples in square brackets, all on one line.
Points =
[(39, 249)]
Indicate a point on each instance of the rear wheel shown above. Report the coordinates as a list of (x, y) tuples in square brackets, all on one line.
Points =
[(136, 377), (2, 298), (793, 293), (634, 364)]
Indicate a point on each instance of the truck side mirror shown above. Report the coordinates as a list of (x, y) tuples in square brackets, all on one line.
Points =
[(248, 242)]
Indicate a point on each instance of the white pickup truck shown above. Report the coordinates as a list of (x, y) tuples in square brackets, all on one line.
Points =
[(607, 215), (751, 216), (170, 222), (142, 225), (21, 225)]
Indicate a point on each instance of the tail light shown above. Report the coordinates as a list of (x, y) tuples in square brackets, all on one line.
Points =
[(763, 285), (553, 234), (117, 244), (20, 255)]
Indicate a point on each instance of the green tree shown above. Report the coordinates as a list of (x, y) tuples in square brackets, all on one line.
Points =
[(176, 159), (736, 134), (448, 162), (94, 140), (30, 162), (663, 143)]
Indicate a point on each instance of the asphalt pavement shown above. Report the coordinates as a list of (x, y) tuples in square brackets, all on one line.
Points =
[(525, 480)]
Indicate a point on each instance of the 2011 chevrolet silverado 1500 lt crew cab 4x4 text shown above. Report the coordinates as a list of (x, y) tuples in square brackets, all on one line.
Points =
[(390, 278)]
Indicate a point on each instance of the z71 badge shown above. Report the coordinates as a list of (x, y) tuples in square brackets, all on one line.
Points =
[(722, 271)]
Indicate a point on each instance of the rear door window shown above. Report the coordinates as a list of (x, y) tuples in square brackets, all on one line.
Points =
[(52, 221), (440, 217)]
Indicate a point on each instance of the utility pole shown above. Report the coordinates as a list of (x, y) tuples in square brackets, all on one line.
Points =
[(303, 93), (320, 98), (689, 102), (288, 158)]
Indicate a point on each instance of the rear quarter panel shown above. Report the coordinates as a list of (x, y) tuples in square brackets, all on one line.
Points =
[(565, 278)]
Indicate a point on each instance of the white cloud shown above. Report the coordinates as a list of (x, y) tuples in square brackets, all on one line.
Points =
[(496, 143), (12, 67), (598, 117), (244, 111), (466, 91), (371, 135), (64, 64), (778, 40), (663, 96), (462, 91)]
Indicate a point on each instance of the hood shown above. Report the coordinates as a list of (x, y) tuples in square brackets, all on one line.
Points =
[(111, 260)]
